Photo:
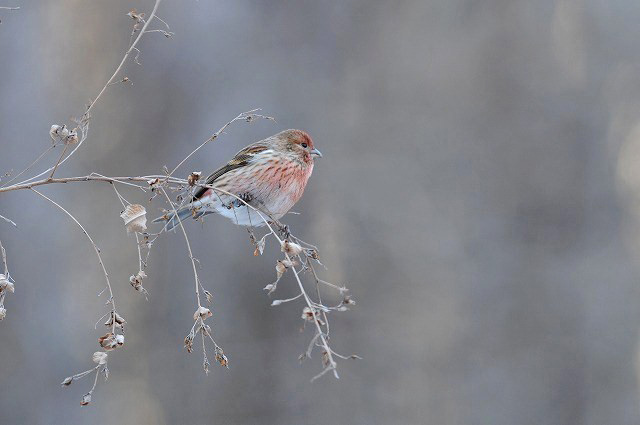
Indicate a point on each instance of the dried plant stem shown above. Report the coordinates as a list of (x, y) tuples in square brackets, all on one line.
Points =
[(30, 165), (126, 55), (249, 115), (86, 114), (95, 248), (55, 167), (8, 220), (320, 333), (186, 238), (91, 177)]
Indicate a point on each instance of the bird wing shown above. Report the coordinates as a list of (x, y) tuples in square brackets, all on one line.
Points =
[(241, 159)]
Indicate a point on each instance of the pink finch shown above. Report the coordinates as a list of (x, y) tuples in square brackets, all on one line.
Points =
[(270, 175)]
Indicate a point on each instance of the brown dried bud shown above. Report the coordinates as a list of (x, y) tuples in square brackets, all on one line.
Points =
[(135, 218), (188, 342), (221, 358), (193, 178), (67, 381), (310, 252)]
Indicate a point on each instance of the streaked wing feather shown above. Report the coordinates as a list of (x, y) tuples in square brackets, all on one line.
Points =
[(241, 159)]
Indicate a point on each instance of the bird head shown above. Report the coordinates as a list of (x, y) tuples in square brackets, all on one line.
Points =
[(299, 143)]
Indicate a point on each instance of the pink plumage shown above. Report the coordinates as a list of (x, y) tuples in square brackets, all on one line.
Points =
[(270, 175)]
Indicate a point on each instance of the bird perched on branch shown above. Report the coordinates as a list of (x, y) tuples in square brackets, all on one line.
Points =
[(269, 175)]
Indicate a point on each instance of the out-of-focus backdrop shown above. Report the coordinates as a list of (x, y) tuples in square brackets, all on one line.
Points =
[(479, 194)]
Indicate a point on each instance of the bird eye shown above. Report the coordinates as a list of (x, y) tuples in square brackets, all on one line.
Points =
[(304, 145)]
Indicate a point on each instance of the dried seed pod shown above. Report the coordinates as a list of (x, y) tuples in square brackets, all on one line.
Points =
[(110, 341), (115, 317), (119, 339), (308, 314), (203, 313), (194, 177), (280, 268), (290, 248), (135, 218), (86, 399), (348, 300)]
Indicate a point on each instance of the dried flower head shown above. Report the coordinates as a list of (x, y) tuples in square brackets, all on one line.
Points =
[(3, 313), (308, 314), (290, 248), (109, 341), (100, 357), (203, 313), (135, 218)]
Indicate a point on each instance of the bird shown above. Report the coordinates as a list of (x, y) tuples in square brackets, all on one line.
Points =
[(269, 175)]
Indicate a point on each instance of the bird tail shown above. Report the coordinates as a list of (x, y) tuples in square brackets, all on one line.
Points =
[(174, 219)]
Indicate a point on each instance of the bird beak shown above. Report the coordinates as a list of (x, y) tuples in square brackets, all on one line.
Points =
[(315, 152)]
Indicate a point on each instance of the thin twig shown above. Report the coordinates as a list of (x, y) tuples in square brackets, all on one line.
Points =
[(8, 220), (249, 115), (55, 167), (186, 238), (95, 248), (115, 74), (91, 177), (31, 165)]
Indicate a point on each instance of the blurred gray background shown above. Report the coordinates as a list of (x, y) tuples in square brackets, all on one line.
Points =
[(479, 194)]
